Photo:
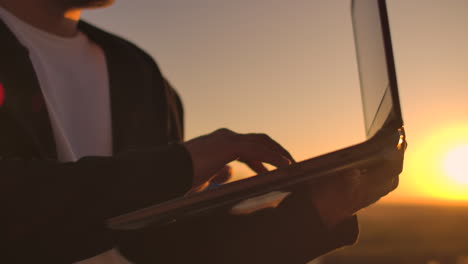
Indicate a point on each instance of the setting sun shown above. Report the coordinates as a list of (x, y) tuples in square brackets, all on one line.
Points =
[(456, 164), (438, 165)]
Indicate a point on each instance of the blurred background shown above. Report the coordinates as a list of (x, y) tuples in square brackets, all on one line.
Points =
[(288, 69)]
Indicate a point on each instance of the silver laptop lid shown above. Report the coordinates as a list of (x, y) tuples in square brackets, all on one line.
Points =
[(376, 65)]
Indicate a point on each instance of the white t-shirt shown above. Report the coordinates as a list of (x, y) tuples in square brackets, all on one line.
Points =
[(73, 77)]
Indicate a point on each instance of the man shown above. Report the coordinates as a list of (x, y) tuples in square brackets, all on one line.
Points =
[(91, 130)]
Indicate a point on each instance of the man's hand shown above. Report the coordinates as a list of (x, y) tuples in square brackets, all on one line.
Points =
[(212, 152), (340, 196)]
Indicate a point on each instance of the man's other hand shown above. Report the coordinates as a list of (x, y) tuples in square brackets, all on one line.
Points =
[(340, 196), (211, 153)]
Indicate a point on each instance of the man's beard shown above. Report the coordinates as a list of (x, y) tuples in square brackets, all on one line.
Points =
[(87, 3)]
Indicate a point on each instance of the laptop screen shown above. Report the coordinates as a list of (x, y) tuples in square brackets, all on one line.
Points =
[(375, 62)]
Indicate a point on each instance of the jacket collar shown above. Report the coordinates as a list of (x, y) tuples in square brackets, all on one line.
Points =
[(24, 99), (137, 92), (23, 96)]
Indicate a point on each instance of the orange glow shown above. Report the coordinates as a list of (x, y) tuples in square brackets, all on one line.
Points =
[(73, 14), (438, 165)]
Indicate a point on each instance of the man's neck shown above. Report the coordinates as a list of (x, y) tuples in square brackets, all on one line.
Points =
[(45, 16)]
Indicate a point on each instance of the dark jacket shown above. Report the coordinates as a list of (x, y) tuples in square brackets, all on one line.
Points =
[(55, 212)]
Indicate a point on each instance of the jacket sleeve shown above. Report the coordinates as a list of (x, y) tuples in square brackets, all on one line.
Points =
[(49, 208), (293, 233)]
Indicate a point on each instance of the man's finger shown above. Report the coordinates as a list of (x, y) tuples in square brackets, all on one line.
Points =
[(255, 151), (256, 166), (222, 176), (272, 144)]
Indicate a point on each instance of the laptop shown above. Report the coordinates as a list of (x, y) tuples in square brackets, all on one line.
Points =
[(386, 141)]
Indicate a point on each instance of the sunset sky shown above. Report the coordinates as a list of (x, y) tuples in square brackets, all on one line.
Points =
[(288, 68)]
